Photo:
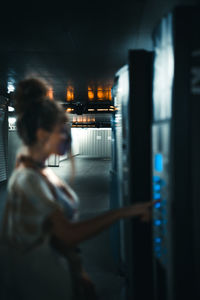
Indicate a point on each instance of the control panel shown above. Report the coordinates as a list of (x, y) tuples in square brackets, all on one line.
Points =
[(160, 191)]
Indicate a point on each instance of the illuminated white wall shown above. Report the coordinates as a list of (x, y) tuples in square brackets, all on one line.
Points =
[(75, 140), (92, 142)]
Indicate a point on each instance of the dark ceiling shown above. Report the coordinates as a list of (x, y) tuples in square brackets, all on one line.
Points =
[(76, 44)]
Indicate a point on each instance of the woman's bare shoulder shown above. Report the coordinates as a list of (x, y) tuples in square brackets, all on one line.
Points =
[(28, 179)]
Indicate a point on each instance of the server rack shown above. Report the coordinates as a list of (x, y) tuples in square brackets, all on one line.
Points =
[(132, 169), (175, 158), (3, 139)]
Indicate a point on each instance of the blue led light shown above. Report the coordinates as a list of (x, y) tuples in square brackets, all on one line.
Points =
[(156, 187), (157, 205), (158, 162), (157, 222), (157, 240), (156, 178), (156, 196)]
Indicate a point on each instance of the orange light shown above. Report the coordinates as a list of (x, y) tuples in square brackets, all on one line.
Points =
[(109, 94), (50, 93), (90, 93), (100, 93), (70, 109), (104, 93), (70, 93)]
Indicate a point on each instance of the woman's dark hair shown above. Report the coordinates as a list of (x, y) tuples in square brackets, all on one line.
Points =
[(35, 110)]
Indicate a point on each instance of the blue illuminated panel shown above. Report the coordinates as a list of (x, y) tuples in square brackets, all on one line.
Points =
[(159, 162), (157, 205), (157, 187), (156, 178), (156, 196), (160, 211), (157, 240), (157, 222)]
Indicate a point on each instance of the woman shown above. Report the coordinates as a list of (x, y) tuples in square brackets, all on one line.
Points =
[(40, 220)]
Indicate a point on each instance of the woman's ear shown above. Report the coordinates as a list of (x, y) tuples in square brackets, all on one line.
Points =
[(42, 135)]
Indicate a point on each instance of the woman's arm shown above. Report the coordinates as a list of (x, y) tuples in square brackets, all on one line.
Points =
[(72, 233)]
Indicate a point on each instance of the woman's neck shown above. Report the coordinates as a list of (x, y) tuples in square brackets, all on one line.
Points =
[(35, 152)]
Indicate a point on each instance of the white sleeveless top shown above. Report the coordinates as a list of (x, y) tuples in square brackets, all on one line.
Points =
[(30, 202)]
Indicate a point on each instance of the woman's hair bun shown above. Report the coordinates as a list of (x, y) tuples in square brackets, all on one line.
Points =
[(29, 92)]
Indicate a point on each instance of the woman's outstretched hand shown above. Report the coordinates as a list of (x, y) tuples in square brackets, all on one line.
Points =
[(72, 233), (141, 210)]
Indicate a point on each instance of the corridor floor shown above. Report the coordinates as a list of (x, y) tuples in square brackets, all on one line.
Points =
[(92, 184)]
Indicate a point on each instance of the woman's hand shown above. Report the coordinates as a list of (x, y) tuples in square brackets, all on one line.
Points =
[(142, 210)]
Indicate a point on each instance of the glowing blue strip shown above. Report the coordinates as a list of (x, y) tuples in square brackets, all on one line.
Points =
[(158, 240), (156, 196), (156, 187), (159, 162), (156, 178), (157, 205), (157, 222)]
